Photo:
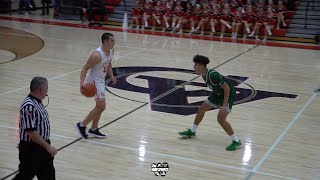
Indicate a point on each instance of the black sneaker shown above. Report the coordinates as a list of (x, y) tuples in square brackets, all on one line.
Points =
[(82, 131), (96, 133)]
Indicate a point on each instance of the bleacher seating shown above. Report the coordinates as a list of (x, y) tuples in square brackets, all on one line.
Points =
[(70, 9)]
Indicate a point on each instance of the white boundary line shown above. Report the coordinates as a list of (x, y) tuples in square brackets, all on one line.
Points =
[(164, 155), (296, 117)]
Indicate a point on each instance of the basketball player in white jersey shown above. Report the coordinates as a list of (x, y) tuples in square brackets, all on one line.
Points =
[(94, 71)]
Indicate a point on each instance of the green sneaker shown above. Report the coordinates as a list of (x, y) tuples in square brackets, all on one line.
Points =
[(234, 146), (187, 134)]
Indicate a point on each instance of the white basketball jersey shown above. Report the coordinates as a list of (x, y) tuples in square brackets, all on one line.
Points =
[(98, 72)]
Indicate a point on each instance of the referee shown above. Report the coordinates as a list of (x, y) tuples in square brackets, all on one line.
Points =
[(35, 152)]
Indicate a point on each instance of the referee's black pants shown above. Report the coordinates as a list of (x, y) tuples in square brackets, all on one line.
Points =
[(34, 161)]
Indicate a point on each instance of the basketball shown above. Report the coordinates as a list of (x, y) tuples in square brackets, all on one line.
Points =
[(89, 90)]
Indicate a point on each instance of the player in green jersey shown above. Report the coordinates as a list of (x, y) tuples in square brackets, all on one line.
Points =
[(223, 95)]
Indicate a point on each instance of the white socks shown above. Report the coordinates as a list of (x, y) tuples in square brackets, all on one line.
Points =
[(248, 30), (234, 137), (82, 125), (194, 128)]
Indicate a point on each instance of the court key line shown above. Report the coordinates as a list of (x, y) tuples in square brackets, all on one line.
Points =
[(153, 100), (295, 119), (162, 154)]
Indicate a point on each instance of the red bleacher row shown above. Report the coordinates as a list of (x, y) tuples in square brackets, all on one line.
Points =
[(197, 17), (110, 5)]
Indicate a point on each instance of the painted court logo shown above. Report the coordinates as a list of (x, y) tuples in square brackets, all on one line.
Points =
[(177, 101), (160, 169)]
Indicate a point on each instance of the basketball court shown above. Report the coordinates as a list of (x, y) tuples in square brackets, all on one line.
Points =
[(276, 113)]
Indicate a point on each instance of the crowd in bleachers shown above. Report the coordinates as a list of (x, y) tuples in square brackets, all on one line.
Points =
[(27, 6), (246, 17)]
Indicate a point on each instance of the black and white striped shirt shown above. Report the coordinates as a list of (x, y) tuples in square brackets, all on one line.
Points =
[(33, 117)]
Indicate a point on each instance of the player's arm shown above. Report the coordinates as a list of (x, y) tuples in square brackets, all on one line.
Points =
[(110, 71), (226, 90), (93, 59)]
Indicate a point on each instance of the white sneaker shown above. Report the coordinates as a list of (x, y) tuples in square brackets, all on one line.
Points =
[(251, 35)]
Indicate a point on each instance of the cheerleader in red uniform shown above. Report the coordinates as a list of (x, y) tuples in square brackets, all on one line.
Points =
[(270, 23), (270, 4), (248, 3), (280, 10), (177, 12), (184, 18), (212, 2), (259, 5), (226, 18), (195, 17), (204, 18), (136, 14), (147, 13), (259, 20), (156, 15), (214, 17), (237, 22), (248, 21), (234, 5), (167, 15)]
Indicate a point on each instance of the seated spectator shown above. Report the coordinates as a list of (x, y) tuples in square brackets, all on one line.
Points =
[(92, 8), (214, 17), (156, 15), (168, 14), (281, 10), (136, 14), (45, 6), (56, 5), (6, 5), (226, 18), (269, 23), (26, 6)]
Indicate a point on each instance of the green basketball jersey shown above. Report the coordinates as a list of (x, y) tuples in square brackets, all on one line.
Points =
[(214, 80)]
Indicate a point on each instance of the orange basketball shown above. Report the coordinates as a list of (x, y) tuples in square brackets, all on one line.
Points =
[(89, 90)]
